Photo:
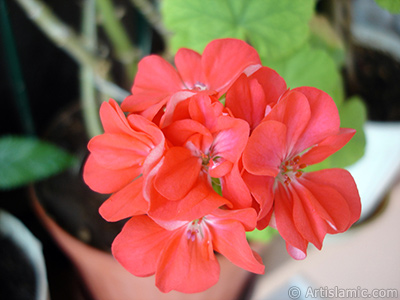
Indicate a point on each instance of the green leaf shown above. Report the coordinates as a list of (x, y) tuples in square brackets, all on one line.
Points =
[(393, 6), (24, 160), (275, 28), (323, 36), (216, 184), (353, 114), (261, 235), (311, 67)]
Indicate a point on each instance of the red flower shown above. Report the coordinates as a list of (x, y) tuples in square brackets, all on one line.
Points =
[(156, 81), (302, 129), (128, 148), (163, 161), (209, 143), (198, 201), (252, 97), (181, 254)]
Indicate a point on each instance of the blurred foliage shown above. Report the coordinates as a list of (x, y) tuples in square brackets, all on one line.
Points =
[(290, 38), (275, 28), (25, 159), (264, 235), (393, 6)]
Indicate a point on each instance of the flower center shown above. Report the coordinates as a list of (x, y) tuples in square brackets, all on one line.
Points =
[(290, 169), (199, 86), (194, 230), (205, 159)]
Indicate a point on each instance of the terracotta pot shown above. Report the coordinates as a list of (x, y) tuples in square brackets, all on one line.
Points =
[(106, 279)]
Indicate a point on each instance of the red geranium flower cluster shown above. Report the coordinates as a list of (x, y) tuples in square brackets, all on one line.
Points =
[(193, 175)]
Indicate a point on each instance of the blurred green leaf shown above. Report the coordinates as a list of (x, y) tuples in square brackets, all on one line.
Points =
[(25, 159), (275, 28), (353, 114), (393, 6), (324, 37), (261, 235), (311, 67)]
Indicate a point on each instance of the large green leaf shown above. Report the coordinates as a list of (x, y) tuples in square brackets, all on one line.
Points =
[(24, 160), (353, 114), (392, 6), (275, 28), (311, 67)]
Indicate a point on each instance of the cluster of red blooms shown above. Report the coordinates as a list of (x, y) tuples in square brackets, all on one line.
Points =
[(217, 122)]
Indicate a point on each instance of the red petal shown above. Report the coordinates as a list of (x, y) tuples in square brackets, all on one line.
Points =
[(284, 219), (178, 173), (261, 187), (139, 245), (146, 130), (266, 149), (200, 201), (177, 108), (246, 100), (218, 169), (272, 83), (155, 80), (267, 220), (292, 110), (188, 63), (342, 181), (295, 252), (155, 111), (307, 221), (230, 138), (114, 151), (224, 60), (246, 216), (187, 266), (235, 190), (327, 147), (180, 132), (203, 110), (125, 203), (324, 120), (113, 118), (327, 202), (107, 181), (229, 239)]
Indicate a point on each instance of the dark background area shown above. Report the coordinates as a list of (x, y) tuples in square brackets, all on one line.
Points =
[(51, 84)]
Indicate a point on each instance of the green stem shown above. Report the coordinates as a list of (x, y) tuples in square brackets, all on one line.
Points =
[(88, 93), (15, 73), (63, 36), (125, 51)]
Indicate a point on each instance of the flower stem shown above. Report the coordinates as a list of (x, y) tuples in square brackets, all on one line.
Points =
[(125, 51), (88, 93), (63, 36)]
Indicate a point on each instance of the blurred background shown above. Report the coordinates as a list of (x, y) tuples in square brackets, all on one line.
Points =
[(369, 55)]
